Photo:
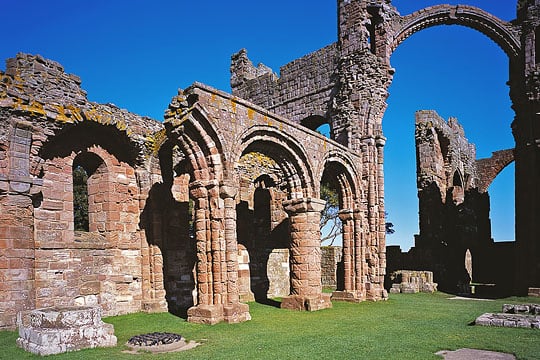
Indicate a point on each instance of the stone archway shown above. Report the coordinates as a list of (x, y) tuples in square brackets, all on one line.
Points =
[(189, 131), (502, 33), (341, 176), (280, 159)]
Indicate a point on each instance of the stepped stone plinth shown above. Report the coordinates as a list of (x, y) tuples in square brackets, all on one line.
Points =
[(57, 330)]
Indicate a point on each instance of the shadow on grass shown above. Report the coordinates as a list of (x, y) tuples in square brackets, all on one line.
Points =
[(269, 302)]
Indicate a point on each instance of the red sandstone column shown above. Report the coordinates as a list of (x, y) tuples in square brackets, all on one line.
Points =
[(217, 265), (204, 311), (217, 244), (360, 258), (305, 257), (233, 311), (381, 239), (352, 258), (346, 217)]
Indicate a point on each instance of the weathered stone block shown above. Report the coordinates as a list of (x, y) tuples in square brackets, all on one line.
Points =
[(56, 330), (307, 302)]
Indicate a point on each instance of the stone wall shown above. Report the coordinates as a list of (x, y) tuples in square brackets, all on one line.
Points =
[(330, 262), (50, 127), (163, 202), (303, 89), (410, 282), (368, 33)]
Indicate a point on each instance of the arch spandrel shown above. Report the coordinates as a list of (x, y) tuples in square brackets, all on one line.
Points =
[(294, 157), (187, 125), (503, 33)]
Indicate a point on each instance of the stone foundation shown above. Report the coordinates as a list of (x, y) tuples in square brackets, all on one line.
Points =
[(349, 296), (523, 316), (213, 314), (410, 282), (61, 329), (307, 302)]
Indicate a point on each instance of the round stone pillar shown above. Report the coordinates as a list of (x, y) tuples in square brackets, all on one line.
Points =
[(305, 256), (353, 289), (217, 264), (233, 311)]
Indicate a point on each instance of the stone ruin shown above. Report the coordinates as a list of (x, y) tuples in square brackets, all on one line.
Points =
[(455, 230), (411, 282), (163, 209), (520, 315), (61, 329)]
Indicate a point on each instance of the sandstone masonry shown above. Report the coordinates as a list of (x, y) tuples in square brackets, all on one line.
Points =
[(188, 215)]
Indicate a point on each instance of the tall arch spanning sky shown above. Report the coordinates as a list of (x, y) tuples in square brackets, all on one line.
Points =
[(458, 72)]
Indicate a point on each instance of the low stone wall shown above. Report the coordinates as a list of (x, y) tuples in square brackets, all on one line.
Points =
[(523, 316), (330, 258), (61, 329), (409, 282), (278, 273)]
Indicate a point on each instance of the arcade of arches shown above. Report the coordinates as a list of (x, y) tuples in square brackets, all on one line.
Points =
[(190, 215)]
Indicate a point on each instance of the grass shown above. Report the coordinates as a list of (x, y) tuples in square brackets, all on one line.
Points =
[(407, 326)]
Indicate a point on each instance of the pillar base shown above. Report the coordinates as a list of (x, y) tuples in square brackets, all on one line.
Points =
[(155, 306), (375, 292), (306, 302), (213, 314), (348, 296), (247, 296), (236, 313)]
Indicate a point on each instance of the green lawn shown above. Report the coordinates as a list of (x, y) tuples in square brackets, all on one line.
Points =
[(404, 327)]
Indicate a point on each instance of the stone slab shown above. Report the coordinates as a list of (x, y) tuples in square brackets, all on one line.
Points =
[(474, 354)]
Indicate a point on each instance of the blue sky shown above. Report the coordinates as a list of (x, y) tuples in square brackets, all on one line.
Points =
[(137, 53)]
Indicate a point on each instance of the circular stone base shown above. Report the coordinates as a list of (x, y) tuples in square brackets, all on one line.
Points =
[(474, 354), (159, 343), (156, 349)]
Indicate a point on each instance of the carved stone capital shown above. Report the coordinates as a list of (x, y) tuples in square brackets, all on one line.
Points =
[(303, 205)]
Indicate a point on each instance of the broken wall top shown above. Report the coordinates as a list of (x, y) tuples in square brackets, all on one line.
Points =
[(39, 89)]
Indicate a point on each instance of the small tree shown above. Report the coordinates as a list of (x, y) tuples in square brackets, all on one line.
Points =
[(330, 223), (389, 227)]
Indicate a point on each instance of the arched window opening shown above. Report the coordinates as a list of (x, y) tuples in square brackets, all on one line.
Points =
[(502, 205), (469, 264), (324, 130), (373, 10), (86, 179), (319, 124), (80, 198), (261, 208), (262, 198), (458, 193), (444, 143)]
